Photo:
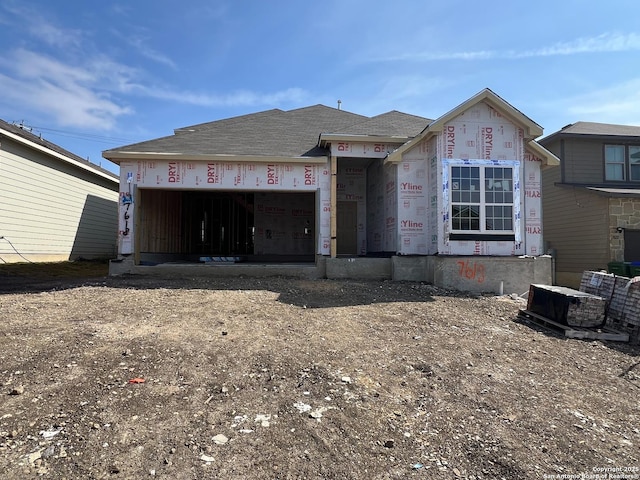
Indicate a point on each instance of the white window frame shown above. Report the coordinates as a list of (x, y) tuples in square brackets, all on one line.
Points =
[(611, 160), (482, 204), (516, 165)]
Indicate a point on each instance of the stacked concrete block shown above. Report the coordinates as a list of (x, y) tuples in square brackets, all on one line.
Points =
[(597, 283), (612, 288), (567, 306), (630, 319), (586, 312), (623, 297)]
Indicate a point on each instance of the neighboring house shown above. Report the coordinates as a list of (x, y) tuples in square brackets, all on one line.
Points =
[(318, 184), (54, 205), (591, 202)]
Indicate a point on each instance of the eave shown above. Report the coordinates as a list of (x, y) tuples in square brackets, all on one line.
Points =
[(118, 156), (531, 129), (630, 191), (327, 138), (542, 153), (59, 156)]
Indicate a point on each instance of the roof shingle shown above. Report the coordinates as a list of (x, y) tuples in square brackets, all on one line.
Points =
[(593, 128), (275, 133), (393, 123)]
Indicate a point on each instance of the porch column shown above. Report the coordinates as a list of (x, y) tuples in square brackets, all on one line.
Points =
[(334, 205)]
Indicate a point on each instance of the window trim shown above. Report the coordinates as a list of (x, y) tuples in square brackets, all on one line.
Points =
[(626, 163), (481, 205), (515, 234), (623, 163), (493, 237)]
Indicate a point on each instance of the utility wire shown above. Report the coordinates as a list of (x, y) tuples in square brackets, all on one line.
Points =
[(14, 249), (86, 136), (78, 135)]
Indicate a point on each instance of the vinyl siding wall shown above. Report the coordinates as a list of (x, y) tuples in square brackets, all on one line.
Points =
[(52, 211), (575, 225), (583, 160)]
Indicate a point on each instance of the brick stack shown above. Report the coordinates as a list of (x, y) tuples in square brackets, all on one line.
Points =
[(612, 288), (565, 305), (630, 318), (623, 295), (586, 312)]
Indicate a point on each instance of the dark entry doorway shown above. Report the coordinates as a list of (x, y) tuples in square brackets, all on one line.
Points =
[(347, 226), (632, 245)]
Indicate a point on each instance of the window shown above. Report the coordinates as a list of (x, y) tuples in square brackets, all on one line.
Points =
[(622, 162), (482, 199), (614, 162), (634, 164)]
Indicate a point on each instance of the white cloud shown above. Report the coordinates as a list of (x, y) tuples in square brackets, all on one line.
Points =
[(148, 52), (39, 27), (78, 88), (606, 42), (31, 65), (53, 35), (617, 104), (68, 93), (434, 56), (139, 43), (91, 94)]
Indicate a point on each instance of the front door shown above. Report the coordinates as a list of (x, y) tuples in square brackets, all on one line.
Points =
[(347, 226), (631, 245)]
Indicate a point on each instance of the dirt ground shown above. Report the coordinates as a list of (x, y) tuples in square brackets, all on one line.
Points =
[(197, 378)]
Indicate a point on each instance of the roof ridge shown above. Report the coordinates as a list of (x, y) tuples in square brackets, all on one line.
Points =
[(401, 113), (584, 122)]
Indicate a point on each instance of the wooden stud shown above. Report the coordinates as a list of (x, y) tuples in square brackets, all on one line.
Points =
[(334, 206)]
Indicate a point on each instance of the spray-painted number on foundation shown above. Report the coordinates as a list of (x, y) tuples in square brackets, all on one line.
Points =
[(471, 270)]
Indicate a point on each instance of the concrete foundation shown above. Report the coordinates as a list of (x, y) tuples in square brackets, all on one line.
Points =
[(359, 268), (492, 274), (476, 273), (125, 266), (470, 273)]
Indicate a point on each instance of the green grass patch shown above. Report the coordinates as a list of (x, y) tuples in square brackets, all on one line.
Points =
[(69, 269)]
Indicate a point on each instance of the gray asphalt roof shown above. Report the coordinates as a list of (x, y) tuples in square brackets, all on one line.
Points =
[(27, 135), (392, 123), (276, 132), (593, 128)]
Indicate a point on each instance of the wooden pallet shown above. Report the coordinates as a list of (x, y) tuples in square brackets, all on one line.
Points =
[(605, 333)]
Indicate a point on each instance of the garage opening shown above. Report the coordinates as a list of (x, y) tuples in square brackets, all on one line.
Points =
[(197, 226), (220, 223)]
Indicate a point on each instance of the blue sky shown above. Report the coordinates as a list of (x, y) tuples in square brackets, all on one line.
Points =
[(91, 76)]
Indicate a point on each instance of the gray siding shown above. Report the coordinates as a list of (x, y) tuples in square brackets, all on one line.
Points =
[(53, 211), (575, 225), (583, 160)]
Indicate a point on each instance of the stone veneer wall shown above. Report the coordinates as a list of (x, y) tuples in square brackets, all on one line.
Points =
[(623, 212)]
